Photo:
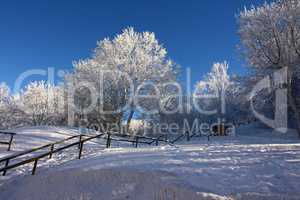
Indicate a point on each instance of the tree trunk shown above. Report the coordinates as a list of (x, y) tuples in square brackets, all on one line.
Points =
[(295, 110), (129, 119), (292, 103)]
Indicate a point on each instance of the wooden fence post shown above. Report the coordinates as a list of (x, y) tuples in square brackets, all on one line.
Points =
[(187, 136), (51, 151), (108, 141), (6, 164), (136, 141), (34, 166), (80, 137), (80, 150), (10, 141)]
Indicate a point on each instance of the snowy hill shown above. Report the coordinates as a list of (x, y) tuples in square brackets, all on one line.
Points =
[(31, 137), (256, 164)]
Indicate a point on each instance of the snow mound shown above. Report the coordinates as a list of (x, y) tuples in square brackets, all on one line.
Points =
[(102, 184)]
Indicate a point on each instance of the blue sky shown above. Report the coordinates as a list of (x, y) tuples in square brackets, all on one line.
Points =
[(42, 34)]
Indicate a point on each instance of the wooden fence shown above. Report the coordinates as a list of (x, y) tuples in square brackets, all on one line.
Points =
[(135, 140)]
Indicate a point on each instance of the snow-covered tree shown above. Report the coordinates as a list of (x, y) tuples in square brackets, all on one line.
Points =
[(10, 113), (34, 101), (140, 56), (124, 63), (96, 86), (5, 99), (237, 100), (39, 102), (215, 83), (270, 37), (4, 93)]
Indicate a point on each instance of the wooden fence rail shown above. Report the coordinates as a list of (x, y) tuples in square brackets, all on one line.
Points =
[(149, 140)]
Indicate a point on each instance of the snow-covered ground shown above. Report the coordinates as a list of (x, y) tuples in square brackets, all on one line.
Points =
[(31, 137), (255, 164)]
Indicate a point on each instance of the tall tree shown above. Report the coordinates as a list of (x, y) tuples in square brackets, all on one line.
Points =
[(270, 37), (130, 55), (216, 83)]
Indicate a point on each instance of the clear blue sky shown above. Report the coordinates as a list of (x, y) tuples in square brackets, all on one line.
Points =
[(42, 34)]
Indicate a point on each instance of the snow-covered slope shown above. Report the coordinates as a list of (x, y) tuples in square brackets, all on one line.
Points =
[(248, 166), (32, 137)]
